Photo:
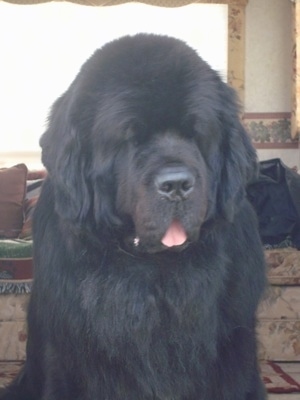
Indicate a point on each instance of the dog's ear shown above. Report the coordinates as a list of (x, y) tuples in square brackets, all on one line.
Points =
[(62, 155), (238, 158), (67, 155)]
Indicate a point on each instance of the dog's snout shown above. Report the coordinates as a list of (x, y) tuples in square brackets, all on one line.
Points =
[(175, 183)]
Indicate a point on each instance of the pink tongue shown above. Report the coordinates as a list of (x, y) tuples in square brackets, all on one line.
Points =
[(175, 235)]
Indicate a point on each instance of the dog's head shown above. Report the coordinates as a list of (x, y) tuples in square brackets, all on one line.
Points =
[(146, 145)]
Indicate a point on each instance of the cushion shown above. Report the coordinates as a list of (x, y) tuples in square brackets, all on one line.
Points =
[(16, 266), (283, 266), (15, 269), (30, 204), (15, 248), (33, 193), (12, 195)]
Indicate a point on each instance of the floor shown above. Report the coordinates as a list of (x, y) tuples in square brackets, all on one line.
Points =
[(284, 396), (294, 371), (9, 369)]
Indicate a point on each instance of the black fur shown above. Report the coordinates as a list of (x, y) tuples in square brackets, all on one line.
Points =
[(114, 314)]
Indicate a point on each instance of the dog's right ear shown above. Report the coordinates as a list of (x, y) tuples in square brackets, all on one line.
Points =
[(65, 157), (66, 153)]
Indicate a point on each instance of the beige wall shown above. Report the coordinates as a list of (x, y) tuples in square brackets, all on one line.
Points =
[(268, 78), (268, 67)]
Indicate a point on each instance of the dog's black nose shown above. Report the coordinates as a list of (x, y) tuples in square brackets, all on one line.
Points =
[(175, 183)]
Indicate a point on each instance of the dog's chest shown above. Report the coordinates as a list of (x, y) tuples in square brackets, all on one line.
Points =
[(149, 309)]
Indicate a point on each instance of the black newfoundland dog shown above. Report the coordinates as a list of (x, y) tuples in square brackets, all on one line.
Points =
[(148, 262)]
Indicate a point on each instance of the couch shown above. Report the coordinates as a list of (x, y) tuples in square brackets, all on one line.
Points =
[(279, 312), (19, 191)]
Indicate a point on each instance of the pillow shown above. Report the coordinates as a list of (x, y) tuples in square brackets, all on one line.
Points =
[(33, 193), (36, 174), (12, 195)]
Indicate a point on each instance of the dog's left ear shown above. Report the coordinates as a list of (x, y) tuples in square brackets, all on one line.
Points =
[(238, 157)]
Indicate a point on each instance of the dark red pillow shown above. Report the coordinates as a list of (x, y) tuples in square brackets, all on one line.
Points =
[(12, 195)]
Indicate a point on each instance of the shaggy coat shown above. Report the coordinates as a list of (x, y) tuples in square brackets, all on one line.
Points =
[(148, 262)]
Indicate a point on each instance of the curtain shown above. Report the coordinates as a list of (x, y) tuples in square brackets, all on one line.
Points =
[(295, 115), (161, 3)]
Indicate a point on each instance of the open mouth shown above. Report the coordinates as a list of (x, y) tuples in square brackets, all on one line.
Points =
[(175, 239)]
